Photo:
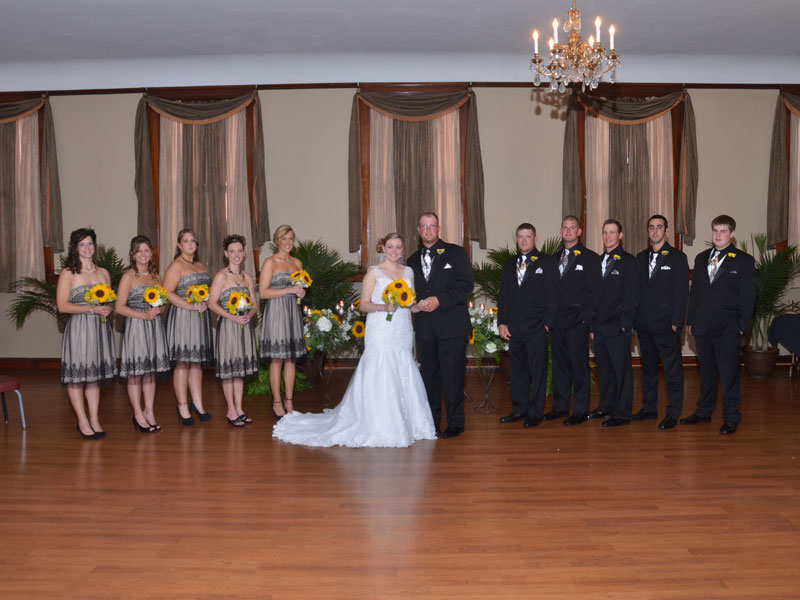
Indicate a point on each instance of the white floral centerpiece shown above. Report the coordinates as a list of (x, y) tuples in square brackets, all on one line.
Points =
[(328, 330), (485, 337)]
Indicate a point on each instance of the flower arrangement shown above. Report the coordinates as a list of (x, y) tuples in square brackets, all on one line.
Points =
[(100, 294), (197, 294), (485, 336), (399, 294), (239, 303), (301, 278), (156, 296), (325, 331)]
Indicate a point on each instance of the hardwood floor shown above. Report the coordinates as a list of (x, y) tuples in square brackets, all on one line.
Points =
[(557, 512)]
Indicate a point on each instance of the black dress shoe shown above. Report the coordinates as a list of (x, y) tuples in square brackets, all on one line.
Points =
[(597, 414), (512, 418), (575, 420), (531, 422), (553, 415), (728, 428), (451, 432), (669, 422), (641, 416), (614, 422), (694, 418)]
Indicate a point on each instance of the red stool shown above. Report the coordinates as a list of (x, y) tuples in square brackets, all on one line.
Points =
[(9, 384)]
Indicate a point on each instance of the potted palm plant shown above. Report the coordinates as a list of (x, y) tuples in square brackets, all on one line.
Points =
[(775, 271)]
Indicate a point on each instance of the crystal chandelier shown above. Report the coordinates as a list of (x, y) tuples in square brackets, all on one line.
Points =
[(575, 60)]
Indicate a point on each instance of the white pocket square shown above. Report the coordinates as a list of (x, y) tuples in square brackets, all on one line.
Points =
[(537, 271), (579, 267), (447, 266), (615, 272), (734, 272), (666, 268)]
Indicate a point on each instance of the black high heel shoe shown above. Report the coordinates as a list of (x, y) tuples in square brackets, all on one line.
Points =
[(276, 415), (187, 422), (84, 436), (204, 416), (155, 426), (137, 427)]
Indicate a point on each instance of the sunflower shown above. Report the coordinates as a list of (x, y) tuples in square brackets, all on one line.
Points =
[(385, 295), (190, 293), (337, 319), (471, 337), (101, 293), (358, 329), (151, 295), (202, 292), (405, 297), (398, 284), (357, 304), (233, 303)]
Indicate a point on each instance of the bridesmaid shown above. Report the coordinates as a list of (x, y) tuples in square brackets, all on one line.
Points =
[(144, 355), (237, 352), (282, 340), (188, 328), (87, 350)]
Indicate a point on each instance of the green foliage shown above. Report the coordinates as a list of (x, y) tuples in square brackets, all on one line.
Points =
[(489, 274), (775, 271), (40, 295), (332, 275), (260, 386)]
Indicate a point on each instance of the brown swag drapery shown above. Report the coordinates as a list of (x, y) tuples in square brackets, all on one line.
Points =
[(778, 190), (49, 189), (203, 169), (414, 161), (626, 113)]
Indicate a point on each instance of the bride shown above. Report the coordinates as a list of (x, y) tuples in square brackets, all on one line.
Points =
[(385, 404)]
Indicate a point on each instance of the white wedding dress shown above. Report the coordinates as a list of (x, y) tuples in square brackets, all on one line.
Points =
[(385, 404)]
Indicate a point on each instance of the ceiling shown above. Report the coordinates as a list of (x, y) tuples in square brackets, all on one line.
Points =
[(100, 44)]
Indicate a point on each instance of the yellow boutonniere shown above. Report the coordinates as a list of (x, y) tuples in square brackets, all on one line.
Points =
[(440, 251), (534, 258), (664, 252), (616, 257), (732, 254), (576, 252)]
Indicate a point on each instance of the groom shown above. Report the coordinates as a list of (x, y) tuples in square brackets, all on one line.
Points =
[(443, 280)]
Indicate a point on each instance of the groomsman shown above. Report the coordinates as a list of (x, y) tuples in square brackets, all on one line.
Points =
[(527, 306), (443, 280), (579, 283), (721, 304), (612, 328), (664, 277)]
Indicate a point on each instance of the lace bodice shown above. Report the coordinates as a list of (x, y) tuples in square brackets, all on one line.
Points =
[(383, 335)]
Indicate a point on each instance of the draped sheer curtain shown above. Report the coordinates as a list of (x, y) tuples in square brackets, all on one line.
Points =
[(783, 193), (205, 181), (415, 153), (30, 199), (629, 166)]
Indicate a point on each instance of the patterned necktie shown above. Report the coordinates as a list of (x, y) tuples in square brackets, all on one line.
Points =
[(562, 265), (714, 266), (522, 264), (653, 258), (606, 260), (426, 263)]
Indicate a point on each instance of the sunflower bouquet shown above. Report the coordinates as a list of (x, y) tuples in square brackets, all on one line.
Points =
[(197, 294), (325, 331), (100, 294), (156, 296), (239, 303), (398, 293), (302, 278)]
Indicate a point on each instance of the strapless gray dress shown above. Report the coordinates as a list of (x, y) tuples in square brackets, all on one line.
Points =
[(144, 343), (87, 350), (282, 325), (189, 336), (237, 352)]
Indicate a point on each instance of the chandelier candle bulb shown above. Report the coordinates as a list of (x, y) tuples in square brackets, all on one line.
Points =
[(597, 22), (611, 31), (555, 31), (535, 41), (591, 41), (551, 44)]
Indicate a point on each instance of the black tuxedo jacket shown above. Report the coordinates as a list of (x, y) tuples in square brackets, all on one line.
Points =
[(662, 302), (579, 287), (452, 283), (533, 305), (731, 298), (619, 298)]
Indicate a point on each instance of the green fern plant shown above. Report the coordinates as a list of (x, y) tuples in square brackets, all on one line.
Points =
[(775, 271), (332, 276), (39, 295)]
